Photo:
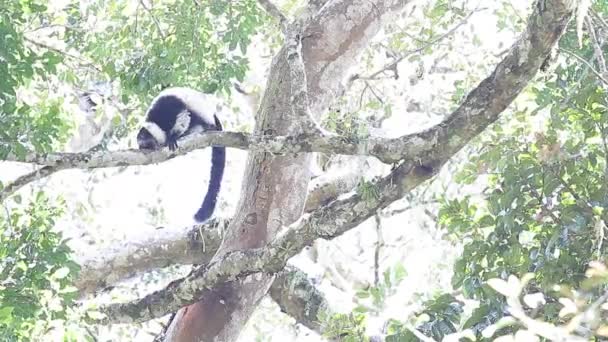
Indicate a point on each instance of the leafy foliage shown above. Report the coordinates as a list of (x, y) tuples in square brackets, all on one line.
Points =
[(22, 126), (200, 44), (36, 271), (378, 294), (345, 327), (368, 191), (544, 210), (352, 326), (441, 317)]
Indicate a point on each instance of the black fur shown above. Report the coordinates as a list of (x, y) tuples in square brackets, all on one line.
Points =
[(218, 161)]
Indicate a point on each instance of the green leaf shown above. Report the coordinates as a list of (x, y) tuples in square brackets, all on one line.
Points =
[(61, 273)]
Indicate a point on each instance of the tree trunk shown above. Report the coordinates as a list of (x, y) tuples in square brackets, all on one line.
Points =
[(275, 187)]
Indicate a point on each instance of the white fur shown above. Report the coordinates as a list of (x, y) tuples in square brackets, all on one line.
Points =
[(157, 132), (181, 123)]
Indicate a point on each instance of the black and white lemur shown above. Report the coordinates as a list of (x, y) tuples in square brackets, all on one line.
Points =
[(177, 112)]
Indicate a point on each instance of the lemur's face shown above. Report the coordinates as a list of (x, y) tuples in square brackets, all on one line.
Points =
[(146, 140)]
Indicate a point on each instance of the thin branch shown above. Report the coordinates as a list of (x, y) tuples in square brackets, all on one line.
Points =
[(379, 246), (599, 18), (81, 60), (410, 206), (587, 63), (392, 65), (274, 12), (156, 22), (35, 175), (597, 47)]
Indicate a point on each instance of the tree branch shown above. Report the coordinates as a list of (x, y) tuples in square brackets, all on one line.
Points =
[(165, 247), (192, 245), (21, 181), (392, 65), (386, 150), (299, 298), (81, 60), (274, 12), (588, 64), (156, 22)]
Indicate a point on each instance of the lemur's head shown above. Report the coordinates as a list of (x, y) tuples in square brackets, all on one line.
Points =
[(151, 137)]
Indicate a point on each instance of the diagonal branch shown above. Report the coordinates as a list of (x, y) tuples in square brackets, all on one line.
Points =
[(21, 181), (191, 245), (298, 297), (392, 65), (481, 107), (329, 222)]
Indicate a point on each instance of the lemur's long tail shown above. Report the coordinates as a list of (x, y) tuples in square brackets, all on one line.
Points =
[(218, 161)]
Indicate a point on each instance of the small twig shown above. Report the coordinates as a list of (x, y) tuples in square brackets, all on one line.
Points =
[(516, 11), (409, 207), (8, 218), (544, 208), (406, 54), (156, 22), (136, 18), (604, 133), (379, 245), (82, 61), (362, 95), (371, 88), (586, 62), (599, 18), (599, 55)]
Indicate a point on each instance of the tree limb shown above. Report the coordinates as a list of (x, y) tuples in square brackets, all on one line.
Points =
[(385, 149), (193, 245), (295, 294), (21, 181), (274, 12)]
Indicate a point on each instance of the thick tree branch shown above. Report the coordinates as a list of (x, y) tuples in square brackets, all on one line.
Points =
[(21, 181), (297, 297), (195, 245), (328, 222), (386, 150), (293, 291), (480, 108), (192, 245)]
